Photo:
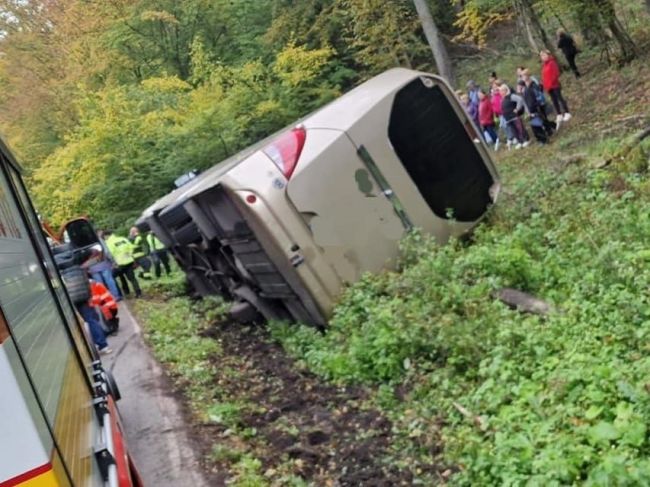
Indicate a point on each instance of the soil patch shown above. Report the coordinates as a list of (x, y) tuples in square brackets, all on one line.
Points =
[(299, 424)]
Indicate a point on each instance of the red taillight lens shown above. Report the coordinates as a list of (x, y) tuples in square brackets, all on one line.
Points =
[(285, 150)]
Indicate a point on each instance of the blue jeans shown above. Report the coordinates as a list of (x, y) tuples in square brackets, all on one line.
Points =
[(106, 277), (90, 316), (491, 132)]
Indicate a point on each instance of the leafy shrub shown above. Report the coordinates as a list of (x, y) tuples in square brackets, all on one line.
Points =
[(532, 400)]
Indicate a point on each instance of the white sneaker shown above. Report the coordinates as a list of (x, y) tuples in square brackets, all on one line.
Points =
[(509, 144), (518, 146), (496, 145), (526, 144), (105, 351), (567, 116)]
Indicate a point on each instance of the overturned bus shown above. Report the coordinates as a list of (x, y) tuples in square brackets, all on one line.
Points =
[(282, 226)]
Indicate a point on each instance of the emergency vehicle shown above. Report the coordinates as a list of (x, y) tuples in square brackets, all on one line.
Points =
[(59, 425)]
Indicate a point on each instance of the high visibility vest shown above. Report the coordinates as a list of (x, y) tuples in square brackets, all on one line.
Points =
[(140, 247), (101, 298), (121, 249), (154, 243)]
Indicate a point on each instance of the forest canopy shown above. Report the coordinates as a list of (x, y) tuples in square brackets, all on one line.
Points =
[(106, 102)]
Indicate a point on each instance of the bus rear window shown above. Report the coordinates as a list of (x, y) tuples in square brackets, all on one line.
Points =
[(437, 152)]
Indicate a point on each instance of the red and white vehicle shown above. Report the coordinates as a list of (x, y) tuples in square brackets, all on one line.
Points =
[(59, 425)]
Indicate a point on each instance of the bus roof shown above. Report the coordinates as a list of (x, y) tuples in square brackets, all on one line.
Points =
[(339, 114)]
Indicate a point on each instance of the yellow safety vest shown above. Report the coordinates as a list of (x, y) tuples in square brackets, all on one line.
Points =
[(121, 249), (154, 243)]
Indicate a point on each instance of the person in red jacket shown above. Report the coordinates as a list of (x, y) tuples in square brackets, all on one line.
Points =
[(486, 119), (551, 84)]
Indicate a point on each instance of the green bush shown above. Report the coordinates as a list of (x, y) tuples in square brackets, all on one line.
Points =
[(551, 400)]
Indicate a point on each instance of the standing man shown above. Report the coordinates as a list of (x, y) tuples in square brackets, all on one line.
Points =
[(122, 251), (140, 252), (158, 254)]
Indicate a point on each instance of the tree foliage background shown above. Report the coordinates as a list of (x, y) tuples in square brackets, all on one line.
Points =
[(106, 102)]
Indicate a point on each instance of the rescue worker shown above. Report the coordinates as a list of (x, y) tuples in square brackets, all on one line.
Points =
[(158, 254), (103, 300), (122, 251), (140, 252)]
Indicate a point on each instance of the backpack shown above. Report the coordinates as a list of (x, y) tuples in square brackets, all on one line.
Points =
[(539, 96), (76, 282)]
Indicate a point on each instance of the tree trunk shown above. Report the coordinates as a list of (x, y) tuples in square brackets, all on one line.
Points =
[(522, 20), (589, 23), (647, 5), (531, 16), (625, 42), (435, 41)]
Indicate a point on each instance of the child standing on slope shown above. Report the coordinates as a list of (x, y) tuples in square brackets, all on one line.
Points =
[(470, 108), (486, 119), (513, 107), (496, 99)]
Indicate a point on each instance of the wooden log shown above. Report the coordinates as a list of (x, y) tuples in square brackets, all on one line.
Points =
[(524, 302)]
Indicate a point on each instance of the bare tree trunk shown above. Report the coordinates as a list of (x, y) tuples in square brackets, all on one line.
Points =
[(590, 24), (435, 41), (531, 15), (625, 42), (522, 19)]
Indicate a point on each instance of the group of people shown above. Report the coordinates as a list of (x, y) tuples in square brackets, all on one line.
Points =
[(120, 259), (507, 107), (123, 257)]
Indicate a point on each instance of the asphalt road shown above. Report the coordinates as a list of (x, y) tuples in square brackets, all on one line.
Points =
[(156, 431)]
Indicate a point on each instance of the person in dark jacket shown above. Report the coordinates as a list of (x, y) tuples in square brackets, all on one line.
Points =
[(513, 107), (567, 45), (533, 95), (530, 95), (544, 107)]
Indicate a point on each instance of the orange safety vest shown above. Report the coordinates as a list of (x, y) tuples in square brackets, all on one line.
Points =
[(101, 298)]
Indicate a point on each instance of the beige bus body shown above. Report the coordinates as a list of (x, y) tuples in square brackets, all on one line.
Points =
[(397, 152)]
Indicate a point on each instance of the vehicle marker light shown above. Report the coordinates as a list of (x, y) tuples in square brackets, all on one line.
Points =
[(251, 199), (285, 150)]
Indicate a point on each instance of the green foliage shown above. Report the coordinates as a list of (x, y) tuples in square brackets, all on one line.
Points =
[(248, 472), (168, 285), (552, 400), (134, 140), (173, 330)]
